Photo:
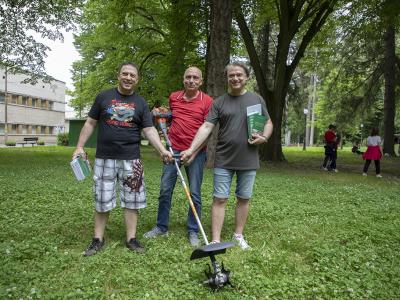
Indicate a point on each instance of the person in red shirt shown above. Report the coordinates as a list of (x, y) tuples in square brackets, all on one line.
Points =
[(189, 109), (330, 139)]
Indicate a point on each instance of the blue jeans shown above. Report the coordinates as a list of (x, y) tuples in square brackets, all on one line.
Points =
[(330, 157), (169, 176)]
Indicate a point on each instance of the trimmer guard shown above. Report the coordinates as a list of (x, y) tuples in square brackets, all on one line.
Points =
[(211, 249)]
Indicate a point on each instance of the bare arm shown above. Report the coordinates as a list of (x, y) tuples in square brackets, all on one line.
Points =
[(85, 134), (201, 136), (258, 139), (152, 135)]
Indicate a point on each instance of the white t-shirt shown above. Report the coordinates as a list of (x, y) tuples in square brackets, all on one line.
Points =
[(374, 140)]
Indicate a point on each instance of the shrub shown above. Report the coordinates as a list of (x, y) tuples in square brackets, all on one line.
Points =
[(62, 139), (41, 143), (10, 143)]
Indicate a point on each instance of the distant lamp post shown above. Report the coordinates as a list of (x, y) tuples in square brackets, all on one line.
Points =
[(5, 105), (361, 126), (305, 111)]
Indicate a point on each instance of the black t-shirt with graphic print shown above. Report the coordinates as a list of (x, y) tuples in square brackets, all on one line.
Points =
[(120, 121)]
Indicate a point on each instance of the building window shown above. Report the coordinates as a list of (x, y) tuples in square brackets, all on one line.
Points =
[(24, 129), (13, 129), (2, 97), (14, 99), (24, 100), (33, 102), (33, 130), (1, 128)]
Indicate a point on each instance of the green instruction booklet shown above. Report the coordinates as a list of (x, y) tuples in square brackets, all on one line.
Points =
[(255, 124), (81, 167)]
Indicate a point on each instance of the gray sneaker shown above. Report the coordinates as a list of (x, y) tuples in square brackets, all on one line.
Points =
[(155, 232), (194, 239)]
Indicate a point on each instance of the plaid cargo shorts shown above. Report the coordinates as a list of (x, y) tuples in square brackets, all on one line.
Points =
[(129, 174)]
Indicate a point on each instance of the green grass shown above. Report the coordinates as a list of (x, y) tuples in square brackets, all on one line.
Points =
[(315, 235)]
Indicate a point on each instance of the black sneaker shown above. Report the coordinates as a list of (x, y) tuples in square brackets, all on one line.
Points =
[(134, 245), (95, 246)]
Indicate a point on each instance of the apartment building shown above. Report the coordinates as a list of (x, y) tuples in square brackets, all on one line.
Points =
[(32, 110)]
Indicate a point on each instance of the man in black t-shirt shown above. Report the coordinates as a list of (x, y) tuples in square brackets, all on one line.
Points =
[(121, 114)]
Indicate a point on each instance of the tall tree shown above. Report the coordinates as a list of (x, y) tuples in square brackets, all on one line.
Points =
[(361, 68), (218, 58), (298, 20), (22, 21), (391, 11), (219, 46), (389, 103), (162, 37)]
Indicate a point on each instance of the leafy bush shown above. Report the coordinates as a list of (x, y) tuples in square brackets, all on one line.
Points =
[(41, 143), (10, 143), (62, 139)]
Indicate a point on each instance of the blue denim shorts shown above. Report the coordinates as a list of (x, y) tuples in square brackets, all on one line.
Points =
[(244, 183)]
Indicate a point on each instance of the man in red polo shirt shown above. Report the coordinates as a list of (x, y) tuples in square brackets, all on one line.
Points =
[(330, 149), (189, 109)]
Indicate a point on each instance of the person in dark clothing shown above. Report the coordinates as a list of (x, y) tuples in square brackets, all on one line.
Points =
[(331, 144), (356, 150)]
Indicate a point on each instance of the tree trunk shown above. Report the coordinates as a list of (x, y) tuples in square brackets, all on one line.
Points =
[(263, 42), (217, 59), (389, 102)]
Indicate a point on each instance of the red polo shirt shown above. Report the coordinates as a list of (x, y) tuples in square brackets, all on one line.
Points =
[(187, 117)]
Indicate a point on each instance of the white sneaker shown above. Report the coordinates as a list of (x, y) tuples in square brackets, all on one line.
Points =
[(365, 174), (239, 239), (379, 175), (325, 169), (335, 170)]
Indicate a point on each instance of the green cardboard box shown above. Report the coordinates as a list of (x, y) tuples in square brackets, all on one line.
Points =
[(81, 167)]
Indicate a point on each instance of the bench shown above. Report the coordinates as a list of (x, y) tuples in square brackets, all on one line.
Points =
[(29, 140)]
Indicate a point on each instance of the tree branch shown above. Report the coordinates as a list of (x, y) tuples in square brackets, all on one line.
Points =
[(309, 12), (251, 49), (148, 28), (324, 11), (149, 56)]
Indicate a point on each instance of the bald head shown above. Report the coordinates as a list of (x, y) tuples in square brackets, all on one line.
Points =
[(193, 70), (192, 80)]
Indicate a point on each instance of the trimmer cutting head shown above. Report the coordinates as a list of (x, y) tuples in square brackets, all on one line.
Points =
[(211, 249), (219, 276)]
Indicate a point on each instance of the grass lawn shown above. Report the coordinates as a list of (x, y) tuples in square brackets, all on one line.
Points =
[(314, 234)]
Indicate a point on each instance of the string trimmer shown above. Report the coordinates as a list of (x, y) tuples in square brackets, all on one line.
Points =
[(218, 276)]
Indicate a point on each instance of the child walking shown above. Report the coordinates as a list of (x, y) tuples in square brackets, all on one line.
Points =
[(373, 152)]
